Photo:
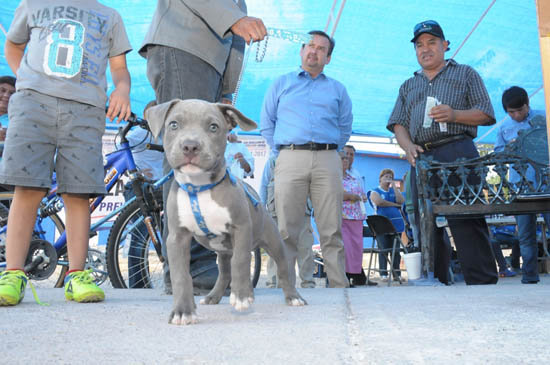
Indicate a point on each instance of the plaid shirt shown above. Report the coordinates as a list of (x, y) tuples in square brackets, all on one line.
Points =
[(458, 86)]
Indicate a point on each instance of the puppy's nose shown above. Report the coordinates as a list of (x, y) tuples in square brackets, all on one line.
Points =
[(190, 147)]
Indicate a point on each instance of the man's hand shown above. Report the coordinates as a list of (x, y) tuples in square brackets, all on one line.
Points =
[(250, 29), (404, 139), (411, 152), (445, 114), (442, 114), (119, 105)]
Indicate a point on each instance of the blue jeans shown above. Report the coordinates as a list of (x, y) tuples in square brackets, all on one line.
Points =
[(527, 234)]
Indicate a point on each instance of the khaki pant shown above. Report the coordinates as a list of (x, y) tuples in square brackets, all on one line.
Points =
[(317, 174), (306, 266)]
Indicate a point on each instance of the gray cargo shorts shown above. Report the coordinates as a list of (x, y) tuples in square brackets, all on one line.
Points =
[(46, 132)]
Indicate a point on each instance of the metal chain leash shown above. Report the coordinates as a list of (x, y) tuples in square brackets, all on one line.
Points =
[(259, 58)]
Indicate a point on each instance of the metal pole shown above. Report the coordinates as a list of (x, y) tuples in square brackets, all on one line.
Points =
[(337, 18), (330, 15), (474, 28)]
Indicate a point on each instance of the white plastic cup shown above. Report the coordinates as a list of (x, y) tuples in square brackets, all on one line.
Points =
[(413, 263)]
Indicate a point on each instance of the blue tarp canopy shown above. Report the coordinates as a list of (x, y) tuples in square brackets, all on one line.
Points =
[(373, 53)]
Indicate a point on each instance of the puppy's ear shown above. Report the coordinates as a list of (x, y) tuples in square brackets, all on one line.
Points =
[(156, 116), (233, 117)]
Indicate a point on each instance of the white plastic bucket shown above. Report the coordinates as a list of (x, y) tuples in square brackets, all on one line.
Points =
[(413, 263)]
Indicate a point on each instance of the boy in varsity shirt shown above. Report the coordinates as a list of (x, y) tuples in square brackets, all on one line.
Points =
[(57, 120)]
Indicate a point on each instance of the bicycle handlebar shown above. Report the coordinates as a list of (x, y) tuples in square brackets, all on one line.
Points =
[(131, 121), (154, 147)]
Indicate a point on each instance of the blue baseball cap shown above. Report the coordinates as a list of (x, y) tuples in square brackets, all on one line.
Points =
[(428, 26)]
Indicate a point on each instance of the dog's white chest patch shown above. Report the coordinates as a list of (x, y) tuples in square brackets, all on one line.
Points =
[(215, 216)]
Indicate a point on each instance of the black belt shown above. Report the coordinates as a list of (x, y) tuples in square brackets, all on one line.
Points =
[(432, 145), (310, 146)]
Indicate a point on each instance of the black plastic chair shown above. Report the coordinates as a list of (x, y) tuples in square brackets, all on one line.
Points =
[(380, 225)]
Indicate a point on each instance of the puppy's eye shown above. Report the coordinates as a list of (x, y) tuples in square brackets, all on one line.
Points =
[(213, 127), (173, 125)]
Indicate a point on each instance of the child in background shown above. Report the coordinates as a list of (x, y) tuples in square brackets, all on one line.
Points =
[(57, 119)]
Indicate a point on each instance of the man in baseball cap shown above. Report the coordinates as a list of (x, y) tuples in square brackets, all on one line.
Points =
[(445, 132), (429, 26)]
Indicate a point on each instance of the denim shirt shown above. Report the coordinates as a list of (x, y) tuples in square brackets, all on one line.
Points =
[(508, 132)]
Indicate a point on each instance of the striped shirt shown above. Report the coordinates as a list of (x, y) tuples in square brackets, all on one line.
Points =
[(458, 86)]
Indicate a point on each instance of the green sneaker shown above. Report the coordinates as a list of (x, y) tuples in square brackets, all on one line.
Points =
[(80, 287), (12, 287)]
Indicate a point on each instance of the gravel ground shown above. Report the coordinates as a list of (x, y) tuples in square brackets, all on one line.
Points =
[(504, 323)]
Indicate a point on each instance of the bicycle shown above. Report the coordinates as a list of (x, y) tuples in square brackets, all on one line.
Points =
[(48, 251)]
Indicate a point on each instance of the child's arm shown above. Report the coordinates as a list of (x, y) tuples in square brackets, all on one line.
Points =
[(14, 54), (119, 101)]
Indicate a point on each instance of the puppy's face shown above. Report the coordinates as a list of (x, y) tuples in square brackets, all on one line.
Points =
[(195, 134), (195, 138)]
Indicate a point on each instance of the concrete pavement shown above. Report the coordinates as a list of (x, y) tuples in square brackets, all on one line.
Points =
[(504, 323)]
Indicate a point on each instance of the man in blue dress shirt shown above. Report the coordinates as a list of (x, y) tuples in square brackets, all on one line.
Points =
[(306, 117), (515, 102)]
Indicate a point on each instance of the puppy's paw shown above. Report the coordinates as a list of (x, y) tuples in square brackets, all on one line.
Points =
[(295, 300), (210, 299), (182, 319), (240, 304)]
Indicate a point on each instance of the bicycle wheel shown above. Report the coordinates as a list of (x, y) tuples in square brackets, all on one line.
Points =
[(51, 227), (132, 261)]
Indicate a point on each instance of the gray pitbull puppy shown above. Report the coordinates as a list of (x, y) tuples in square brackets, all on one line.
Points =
[(194, 143)]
